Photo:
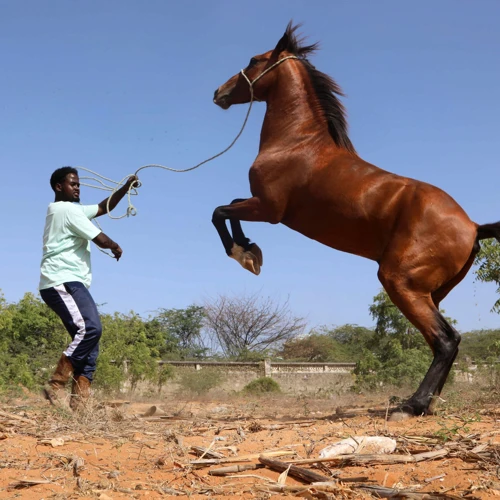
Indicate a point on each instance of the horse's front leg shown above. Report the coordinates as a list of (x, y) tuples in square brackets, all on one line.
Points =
[(238, 246)]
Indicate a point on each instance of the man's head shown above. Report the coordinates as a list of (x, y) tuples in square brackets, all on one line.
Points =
[(66, 184)]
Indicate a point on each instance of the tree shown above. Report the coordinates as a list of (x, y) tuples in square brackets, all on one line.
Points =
[(350, 335), (240, 326), (329, 344), (488, 262), (314, 347), (182, 331), (397, 353), (129, 349), (32, 337), (478, 344), (391, 323)]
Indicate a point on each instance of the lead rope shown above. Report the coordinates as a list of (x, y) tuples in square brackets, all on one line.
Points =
[(132, 191), (131, 210)]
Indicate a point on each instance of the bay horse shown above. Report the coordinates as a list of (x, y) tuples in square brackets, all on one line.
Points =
[(308, 176)]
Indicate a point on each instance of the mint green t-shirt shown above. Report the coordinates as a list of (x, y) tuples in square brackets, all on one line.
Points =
[(66, 244)]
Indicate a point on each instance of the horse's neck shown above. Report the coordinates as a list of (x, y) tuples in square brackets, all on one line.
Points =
[(293, 112)]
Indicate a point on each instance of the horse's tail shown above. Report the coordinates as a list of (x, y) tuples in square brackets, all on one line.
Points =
[(486, 231)]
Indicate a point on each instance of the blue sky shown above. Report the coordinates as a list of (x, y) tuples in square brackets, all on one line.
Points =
[(119, 84)]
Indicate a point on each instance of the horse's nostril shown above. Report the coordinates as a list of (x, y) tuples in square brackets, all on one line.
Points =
[(215, 93)]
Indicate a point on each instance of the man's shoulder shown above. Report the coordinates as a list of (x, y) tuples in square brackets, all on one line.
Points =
[(62, 206), (67, 206), (72, 210)]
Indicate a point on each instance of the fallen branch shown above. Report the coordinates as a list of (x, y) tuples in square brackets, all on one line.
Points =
[(243, 458), (384, 492), (232, 469), (293, 471), (354, 459), (17, 417), (26, 483), (332, 487), (206, 452)]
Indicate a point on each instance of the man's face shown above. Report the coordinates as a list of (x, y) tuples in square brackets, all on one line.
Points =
[(69, 189)]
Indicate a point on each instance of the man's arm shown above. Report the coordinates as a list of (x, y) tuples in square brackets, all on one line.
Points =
[(104, 241), (116, 197)]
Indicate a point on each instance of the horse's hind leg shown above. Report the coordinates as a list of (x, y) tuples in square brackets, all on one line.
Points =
[(442, 292), (443, 339)]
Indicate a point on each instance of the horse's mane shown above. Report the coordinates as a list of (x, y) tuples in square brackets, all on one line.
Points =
[(325, 87)]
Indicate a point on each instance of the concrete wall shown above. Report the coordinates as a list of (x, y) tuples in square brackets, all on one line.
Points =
[(293, 378), (313, 378)]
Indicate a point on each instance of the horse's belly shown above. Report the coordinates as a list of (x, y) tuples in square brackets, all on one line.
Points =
[(341, 234)]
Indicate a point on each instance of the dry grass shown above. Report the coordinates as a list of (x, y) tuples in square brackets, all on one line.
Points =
[(112, 448)]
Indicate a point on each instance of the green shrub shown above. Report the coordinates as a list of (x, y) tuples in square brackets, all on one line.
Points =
[(200, 382), (262, 385), (395, 367), (165, 373)]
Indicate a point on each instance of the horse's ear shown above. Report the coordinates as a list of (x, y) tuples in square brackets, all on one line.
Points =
[(280, 46)]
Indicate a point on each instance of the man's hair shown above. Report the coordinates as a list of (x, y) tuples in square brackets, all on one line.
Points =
[(59, 175)]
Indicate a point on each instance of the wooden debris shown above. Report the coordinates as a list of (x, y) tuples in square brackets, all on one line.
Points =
[(11, 416), (172, 491), (294, 471), (115, 403), (382, 492), (232, 469), (54, 442), (78, 464), (206, 452), (333, 487), (244, 458), (26, 483), (430, 479), (376, 459), (149, 412)]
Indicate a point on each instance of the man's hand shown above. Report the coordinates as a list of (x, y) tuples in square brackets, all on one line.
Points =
[(115, 198), (117, 252), (131, 180), (104, 241)]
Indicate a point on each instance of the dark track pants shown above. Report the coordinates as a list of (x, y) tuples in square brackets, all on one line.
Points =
[(75, 306)]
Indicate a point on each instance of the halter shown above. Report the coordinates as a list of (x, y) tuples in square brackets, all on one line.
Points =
[(250, 84)]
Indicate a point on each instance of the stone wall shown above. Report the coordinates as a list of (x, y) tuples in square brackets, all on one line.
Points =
[(313, 378), (293, 378)]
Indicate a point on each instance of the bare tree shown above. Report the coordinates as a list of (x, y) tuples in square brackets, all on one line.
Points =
[(249, 323)]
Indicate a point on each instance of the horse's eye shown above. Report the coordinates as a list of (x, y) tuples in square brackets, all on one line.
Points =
[(252, 62)]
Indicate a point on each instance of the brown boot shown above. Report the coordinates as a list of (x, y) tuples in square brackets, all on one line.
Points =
[(80, 392), (55, 390)]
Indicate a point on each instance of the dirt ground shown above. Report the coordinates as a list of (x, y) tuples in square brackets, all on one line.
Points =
[(146, 450)]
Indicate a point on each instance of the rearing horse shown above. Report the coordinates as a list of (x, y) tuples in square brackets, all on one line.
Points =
[(308, 176)]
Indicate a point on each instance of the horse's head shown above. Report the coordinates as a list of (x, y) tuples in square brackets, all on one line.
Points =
[(237, 90)]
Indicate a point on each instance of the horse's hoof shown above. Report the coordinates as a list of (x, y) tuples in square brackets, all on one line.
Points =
[(248, 259), (254, 249), (251, 262), (399, 416), (408, 410)]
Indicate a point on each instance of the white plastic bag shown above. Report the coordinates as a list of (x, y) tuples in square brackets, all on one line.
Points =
[(366, 445)]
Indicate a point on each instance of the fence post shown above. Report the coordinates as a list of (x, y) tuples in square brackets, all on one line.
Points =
[(267, 367)]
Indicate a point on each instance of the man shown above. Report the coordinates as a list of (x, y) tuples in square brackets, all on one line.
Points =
[(66, 276)]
